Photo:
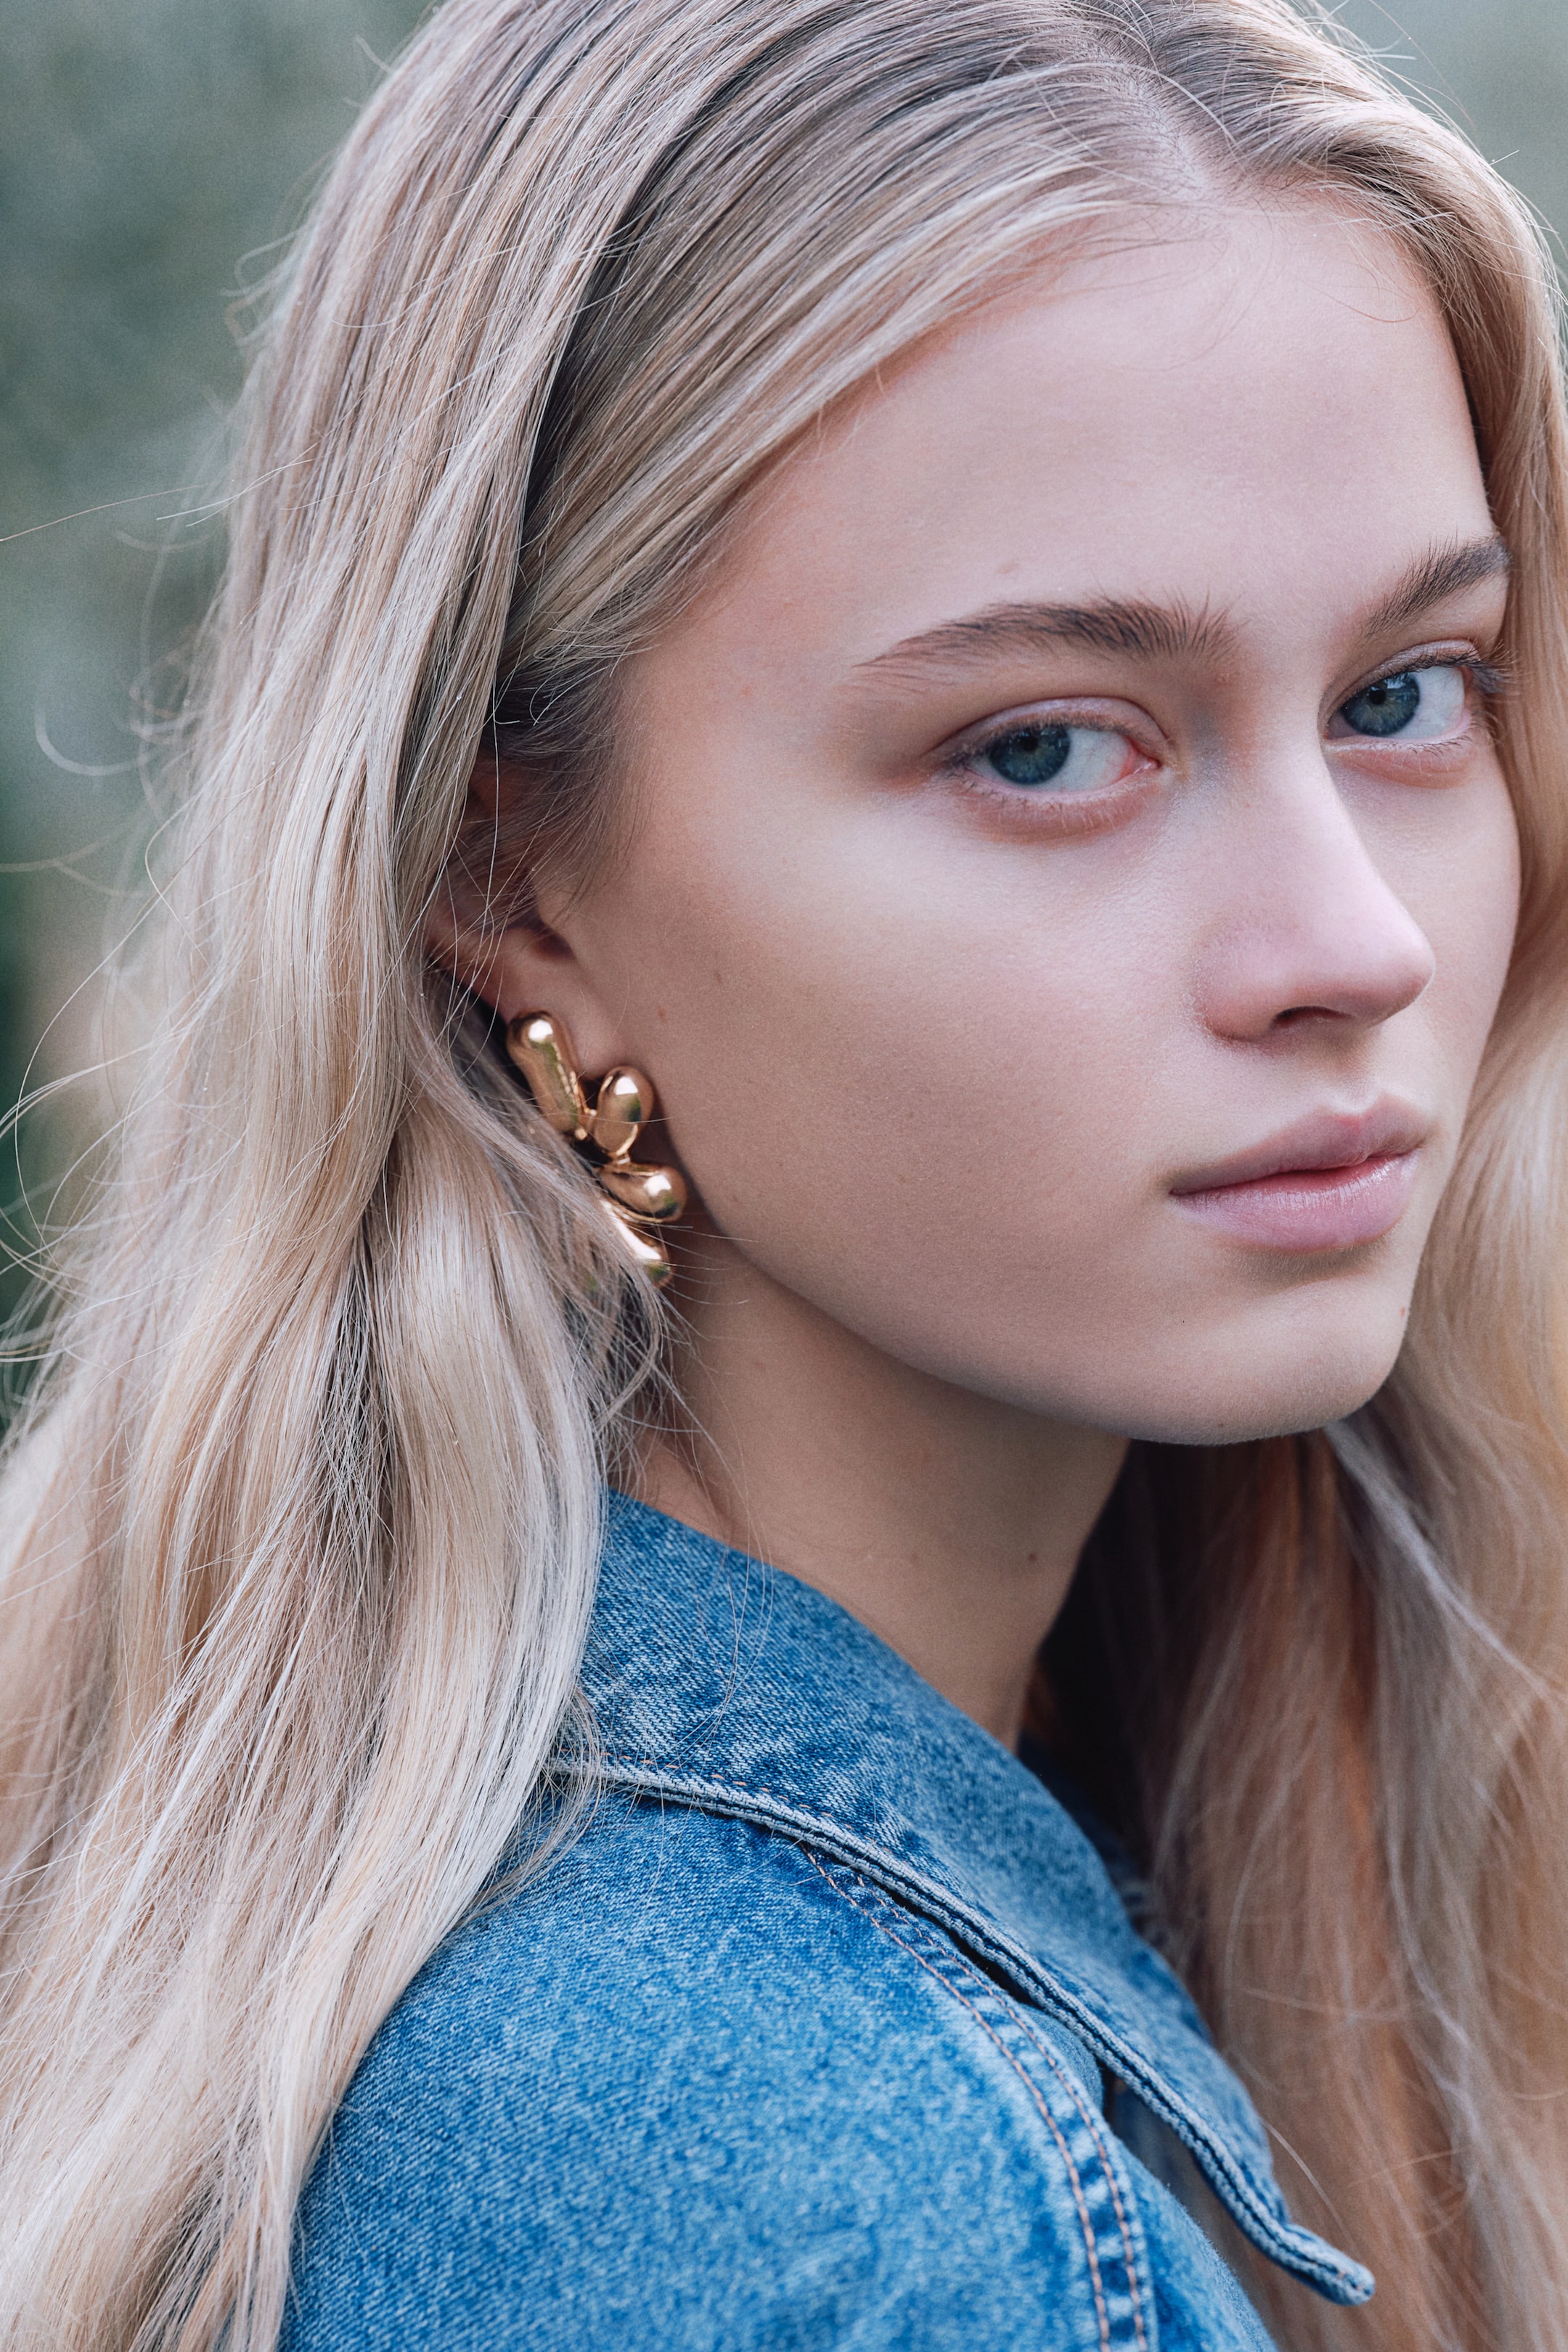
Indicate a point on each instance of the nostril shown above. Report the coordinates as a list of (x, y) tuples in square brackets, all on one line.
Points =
[(1295, 1013)]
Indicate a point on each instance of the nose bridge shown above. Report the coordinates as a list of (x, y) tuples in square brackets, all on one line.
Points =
[(1306, 922)]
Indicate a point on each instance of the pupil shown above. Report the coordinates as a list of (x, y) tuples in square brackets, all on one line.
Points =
[(1386, 707), (1033, 756)]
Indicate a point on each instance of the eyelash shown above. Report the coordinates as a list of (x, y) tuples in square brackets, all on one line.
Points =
[(1485, 682), (963, 757), (1486, 679)]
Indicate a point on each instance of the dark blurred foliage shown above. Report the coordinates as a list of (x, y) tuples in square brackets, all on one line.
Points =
[(152, 154)]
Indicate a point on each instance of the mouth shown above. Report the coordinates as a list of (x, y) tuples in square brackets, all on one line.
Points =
[(1335, 1180)]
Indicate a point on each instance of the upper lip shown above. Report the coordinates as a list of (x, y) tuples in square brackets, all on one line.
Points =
[(1325, 1138)]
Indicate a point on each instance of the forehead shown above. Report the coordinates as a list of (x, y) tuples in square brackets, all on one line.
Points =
[(1253, 413)]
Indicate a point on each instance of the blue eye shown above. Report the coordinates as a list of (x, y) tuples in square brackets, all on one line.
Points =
[(1068, 759), (1416, 705), (1034, 755)]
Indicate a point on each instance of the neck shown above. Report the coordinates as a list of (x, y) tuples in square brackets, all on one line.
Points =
[(949, 1523)]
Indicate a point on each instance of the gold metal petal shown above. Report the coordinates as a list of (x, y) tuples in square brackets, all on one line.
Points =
[(645, 1250), (655, 1192), (625, 1104), (542, 1051)]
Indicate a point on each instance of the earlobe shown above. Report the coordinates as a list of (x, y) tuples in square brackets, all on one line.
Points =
[(511, 966), (467, 946), (516, 967)]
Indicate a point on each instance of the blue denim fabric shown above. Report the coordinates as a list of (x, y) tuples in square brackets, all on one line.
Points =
[(808, 2042)]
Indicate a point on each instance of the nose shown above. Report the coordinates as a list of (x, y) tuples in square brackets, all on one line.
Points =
[(1310, 932)]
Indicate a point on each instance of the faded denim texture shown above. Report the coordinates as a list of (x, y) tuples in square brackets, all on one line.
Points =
[(808, 2042)]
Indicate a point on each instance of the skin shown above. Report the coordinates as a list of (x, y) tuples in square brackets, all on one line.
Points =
[(939, 1052)]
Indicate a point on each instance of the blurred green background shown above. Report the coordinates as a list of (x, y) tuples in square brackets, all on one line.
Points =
[(152, 152)]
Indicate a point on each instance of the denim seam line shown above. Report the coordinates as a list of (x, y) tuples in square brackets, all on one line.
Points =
[(935, 1966), (1093, 2124), (1266, 2224)]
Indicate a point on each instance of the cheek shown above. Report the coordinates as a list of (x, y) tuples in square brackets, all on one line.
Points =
[(906, 1085), (1464, 892)]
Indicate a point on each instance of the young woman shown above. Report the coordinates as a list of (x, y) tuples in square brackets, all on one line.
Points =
[(975, 596)]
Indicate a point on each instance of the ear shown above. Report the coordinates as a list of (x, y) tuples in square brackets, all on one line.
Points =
[(522, 966)]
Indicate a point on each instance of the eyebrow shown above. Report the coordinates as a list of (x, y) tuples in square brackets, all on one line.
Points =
[(1168, 632), (1155, 632), (1443, 572)]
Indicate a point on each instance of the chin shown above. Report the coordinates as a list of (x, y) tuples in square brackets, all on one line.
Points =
[(1226, 1395)]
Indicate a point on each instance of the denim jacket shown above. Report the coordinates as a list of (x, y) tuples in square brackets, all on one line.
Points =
[(828, 2030)]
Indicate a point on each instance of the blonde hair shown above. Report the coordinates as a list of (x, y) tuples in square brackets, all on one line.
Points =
[(300, 1534)]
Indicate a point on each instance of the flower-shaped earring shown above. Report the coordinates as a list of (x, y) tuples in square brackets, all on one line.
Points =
[(637, 1196)]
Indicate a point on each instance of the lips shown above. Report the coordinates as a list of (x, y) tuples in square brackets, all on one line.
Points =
[(1331, 1181)]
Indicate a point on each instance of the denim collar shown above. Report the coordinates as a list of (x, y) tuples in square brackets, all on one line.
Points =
[(730, 1686)]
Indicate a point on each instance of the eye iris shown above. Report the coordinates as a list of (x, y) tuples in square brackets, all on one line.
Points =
[(1387, 707), (1034, 755)]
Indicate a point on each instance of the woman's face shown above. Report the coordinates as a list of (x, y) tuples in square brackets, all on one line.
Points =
[(1070, 879)]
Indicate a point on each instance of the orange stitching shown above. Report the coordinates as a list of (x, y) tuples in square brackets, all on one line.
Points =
[(921, 1961), (641, 1768), (1093, 2126)]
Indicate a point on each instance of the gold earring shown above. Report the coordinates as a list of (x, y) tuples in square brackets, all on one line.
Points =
[(637, 1196)]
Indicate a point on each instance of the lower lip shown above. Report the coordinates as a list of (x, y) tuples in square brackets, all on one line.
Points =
[(1312, 1208)]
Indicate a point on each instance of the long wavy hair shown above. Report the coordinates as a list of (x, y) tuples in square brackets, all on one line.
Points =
[(300, 1534)]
